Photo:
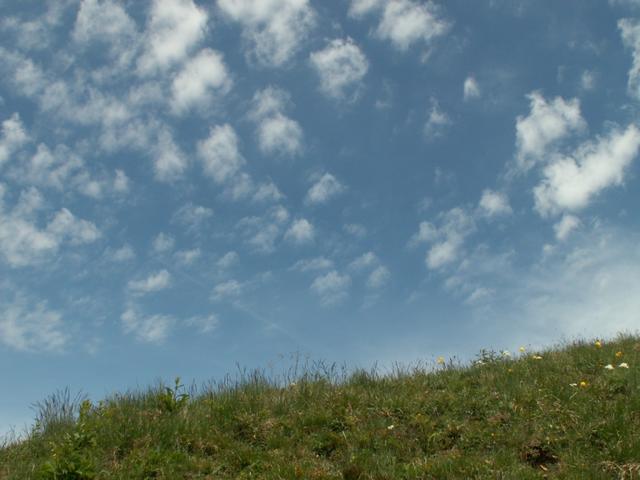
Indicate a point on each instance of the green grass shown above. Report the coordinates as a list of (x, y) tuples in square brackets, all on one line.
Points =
[(507, 418)]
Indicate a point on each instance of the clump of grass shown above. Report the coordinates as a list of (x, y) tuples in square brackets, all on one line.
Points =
[(569, 412)]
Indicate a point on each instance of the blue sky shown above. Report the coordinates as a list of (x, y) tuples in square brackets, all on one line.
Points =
[(187, 185)]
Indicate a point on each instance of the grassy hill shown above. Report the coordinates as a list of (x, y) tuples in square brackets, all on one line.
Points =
[(571, 412)]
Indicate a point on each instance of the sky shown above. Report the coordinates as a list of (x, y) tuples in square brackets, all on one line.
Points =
[(191, 186)]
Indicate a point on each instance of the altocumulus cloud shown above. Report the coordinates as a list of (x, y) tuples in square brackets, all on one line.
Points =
[(274, 30), (153, 283), (341, 66)]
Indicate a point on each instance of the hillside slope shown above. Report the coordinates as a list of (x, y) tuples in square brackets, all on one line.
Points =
[(571, 412)]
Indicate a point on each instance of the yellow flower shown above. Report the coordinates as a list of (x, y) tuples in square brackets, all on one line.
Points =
[(522, 349), (583, 384), (624, 365), (598, 344), (440, 360), (618, 354), (537, 357)]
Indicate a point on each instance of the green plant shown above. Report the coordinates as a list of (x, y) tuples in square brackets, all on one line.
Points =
[(171, 399), (70, 458)]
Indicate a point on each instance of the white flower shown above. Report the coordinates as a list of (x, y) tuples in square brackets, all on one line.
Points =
[(506, 353), (609, 367), (624, 365), (573, 384), (391, 427)]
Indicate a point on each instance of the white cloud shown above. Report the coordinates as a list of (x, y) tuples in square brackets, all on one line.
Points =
[(341, 66), (332, 288), (153, 283), (405, 22), (30, 326), (588, 80), (191, 215), (220, 154), (162, 243), (65, 226), (365, 260), (60, 169), (267, 191), (493, 204), (174, 28), (446, 240), (202, 81), (547, 123), (227, 260), (277, 133), (227, 290), (146, 328), (426, 233), (312, 264), (187, 257), (12, 138), (301, 231), (122, 254), (359, 8), (356, 230), (102, 20), (205, 324), (121, 182), (471, 88), (325, 188), (630, 31), (274, 29), (378, 277), (281, 135), (169, 161), (107, 22), (565, 226), (589, 286), (262, 232), (22, 243), (570, 182), (437, 122)]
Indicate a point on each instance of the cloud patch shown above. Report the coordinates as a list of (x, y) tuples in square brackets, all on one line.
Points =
[(30, 326), (274, 30), (324, 189), (404, 22), (570, 182), (153, 283), (547, 123), (277, 133), (341, 67), (203, 80), (332, 287)]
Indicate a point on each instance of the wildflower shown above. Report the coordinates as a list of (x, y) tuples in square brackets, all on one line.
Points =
[(506, 353), (510, 370), (440, 361), (624, 365), (583, 384), (391, 427), (479, 362), (537, 357), (618, 354), (573, 384), (609, 367), (522, 349), (598, 344)]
